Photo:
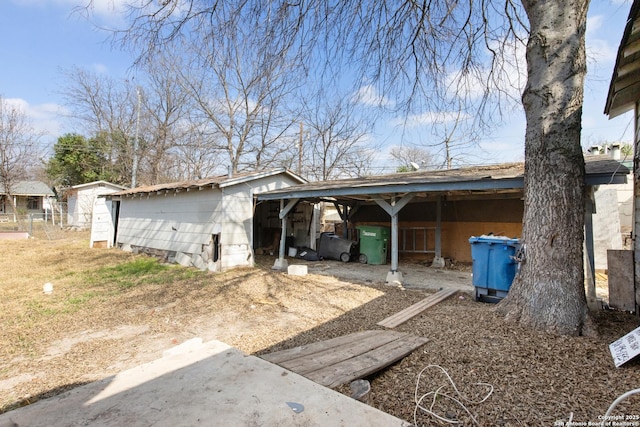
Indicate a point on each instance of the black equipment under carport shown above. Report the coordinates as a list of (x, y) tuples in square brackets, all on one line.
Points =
[(334, 247)]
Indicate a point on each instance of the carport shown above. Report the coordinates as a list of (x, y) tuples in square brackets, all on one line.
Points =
[(394, 192)]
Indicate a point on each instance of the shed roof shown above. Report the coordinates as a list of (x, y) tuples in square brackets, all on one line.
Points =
[(507, 177), (29, 188), (624, 89), (98, 183), (215, 181)]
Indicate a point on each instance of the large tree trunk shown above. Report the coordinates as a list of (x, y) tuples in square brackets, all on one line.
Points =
[(548, 293)]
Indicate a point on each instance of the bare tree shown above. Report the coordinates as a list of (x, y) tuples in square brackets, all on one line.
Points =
[(196, 157), (437, 54), (453, 139), (408, 156), (105, 108), (165, 124), (239, 78), (336, 137), (19, 148)]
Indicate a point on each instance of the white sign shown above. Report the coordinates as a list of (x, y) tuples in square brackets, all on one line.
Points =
[(625, 348)]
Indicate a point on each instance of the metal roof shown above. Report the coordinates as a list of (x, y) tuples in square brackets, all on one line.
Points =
[(492, 179), (29, 188), (624, 89), (216, 181)]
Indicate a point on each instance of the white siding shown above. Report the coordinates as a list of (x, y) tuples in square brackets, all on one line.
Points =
[(185, 221), (625, 203), (102, 224), (180, 222), (81, 203), (236, 239), (237, 227), (606, 225)]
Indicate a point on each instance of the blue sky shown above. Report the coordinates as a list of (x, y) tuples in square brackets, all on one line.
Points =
[(41, 38)]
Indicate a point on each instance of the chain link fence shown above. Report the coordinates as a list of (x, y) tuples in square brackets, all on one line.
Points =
[(50, 224)]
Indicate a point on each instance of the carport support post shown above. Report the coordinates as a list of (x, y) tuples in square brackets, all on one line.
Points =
[(438, 261), (394, 277), (281, 263), (345, 213)]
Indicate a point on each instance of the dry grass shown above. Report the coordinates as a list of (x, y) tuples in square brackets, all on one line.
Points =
[(111, 310)]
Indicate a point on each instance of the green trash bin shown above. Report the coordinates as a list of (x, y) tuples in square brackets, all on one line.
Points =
[(374, 241)]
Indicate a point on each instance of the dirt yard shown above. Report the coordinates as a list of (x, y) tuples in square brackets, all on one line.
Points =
[(110, 310)]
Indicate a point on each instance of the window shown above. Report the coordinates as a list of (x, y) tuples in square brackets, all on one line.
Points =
[(33, 203)]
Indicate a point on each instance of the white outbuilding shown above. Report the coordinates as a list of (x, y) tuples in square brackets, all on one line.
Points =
[(82, 198), (213, 223)]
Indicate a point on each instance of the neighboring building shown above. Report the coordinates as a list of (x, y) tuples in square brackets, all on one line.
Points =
[(624, 96), (213, 223), (29, 198), (81, 199)]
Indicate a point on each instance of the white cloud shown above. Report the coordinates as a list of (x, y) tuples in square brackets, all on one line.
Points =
[(100, 68), (104, 9), (509, 74), (44, 118), (594, 23), (599, 50), (504, 151), (368, 95), (429, 118)]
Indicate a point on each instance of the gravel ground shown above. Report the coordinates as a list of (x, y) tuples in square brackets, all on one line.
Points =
[(536, 379)]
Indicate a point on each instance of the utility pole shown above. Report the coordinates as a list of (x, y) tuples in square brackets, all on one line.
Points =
[(134, 167), (300, 151)]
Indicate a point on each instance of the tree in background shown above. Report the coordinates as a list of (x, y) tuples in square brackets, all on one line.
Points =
[(78, 160), (106, 110), (335, 140), (189, 112), (239, 81), (165, 108), (19, 149), (411, 157)]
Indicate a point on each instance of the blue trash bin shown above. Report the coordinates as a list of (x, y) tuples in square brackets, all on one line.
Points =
[(494, 266)]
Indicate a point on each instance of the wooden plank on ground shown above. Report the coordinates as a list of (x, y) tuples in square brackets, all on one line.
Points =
[(367, 363), (331, 356), (305, 350), (417, 308)]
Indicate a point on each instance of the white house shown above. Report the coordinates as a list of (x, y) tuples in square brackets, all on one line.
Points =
[(213, 223), (81, 199)]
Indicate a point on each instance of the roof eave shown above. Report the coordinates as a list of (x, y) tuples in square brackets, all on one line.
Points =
[(605, 179), (614, 105), (476, 185), (258, 175)]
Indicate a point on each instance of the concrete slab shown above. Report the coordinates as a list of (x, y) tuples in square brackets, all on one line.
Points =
[(414, 276), (13, 235), (211, 385), (394, 278), (297, 270)]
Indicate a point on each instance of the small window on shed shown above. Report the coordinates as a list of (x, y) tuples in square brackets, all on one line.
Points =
[(33, 203)]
